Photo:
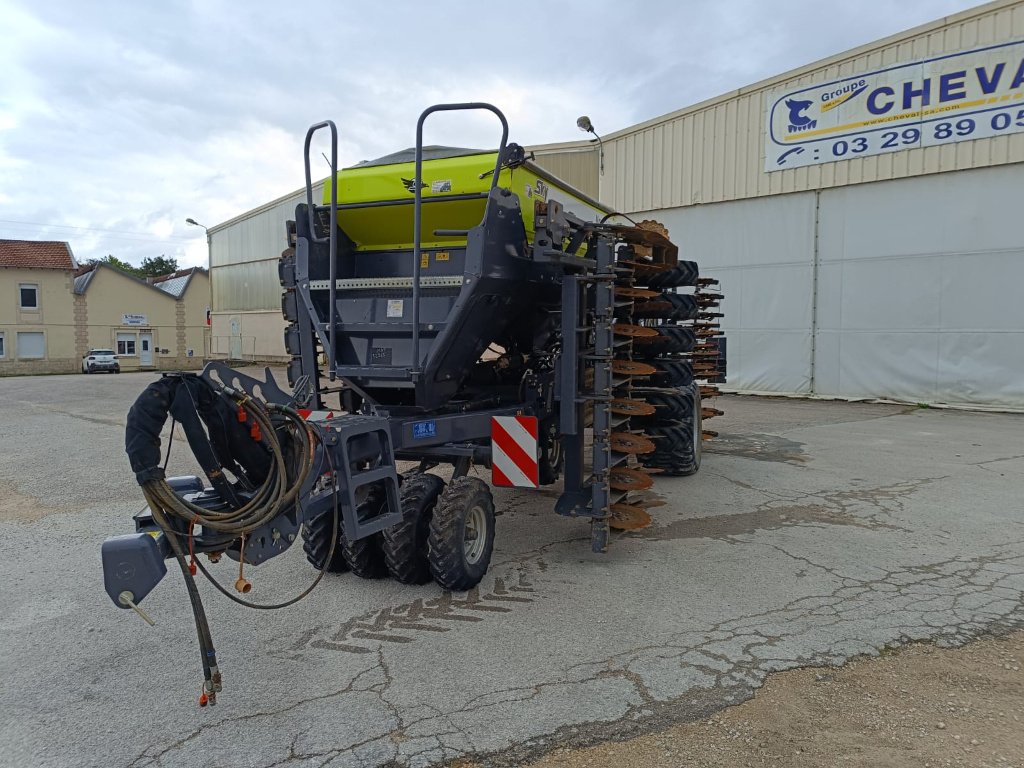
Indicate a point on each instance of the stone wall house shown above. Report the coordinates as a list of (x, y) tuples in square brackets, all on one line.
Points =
[(38, 317), (157, 324), (52, 312), (191, 289)]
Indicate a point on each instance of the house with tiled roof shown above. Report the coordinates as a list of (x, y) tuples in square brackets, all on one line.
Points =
[(37, 309), (52, 312), (157, 323)]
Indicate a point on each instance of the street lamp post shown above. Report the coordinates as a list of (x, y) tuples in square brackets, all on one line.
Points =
[(209, 265)]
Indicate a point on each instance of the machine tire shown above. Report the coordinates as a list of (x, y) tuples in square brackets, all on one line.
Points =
[(405, 544), (684, 305), (455, 563), (683, 273), (552, 458), (679, 444), (672, 406), (681, 306), (671, 339), (672, 373), (316, 543), (364, 557)]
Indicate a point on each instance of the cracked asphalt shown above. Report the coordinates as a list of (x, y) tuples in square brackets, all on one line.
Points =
[(815, 532)]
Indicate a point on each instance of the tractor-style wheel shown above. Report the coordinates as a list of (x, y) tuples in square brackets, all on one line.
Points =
[(405, 544), (462, 534), (364, 556), (683, 273), (671, 339), (671, 373), (552, 458), (316, 542), (671, 405), (668, 306), (679, 444)]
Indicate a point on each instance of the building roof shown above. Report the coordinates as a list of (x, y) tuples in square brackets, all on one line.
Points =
[(82, 280), (37, 254), (172, 285), (176, 282)]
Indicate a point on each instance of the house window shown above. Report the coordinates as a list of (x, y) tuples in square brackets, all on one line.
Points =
[(31, 345), (28, 296), (3, 346), (126, 344)]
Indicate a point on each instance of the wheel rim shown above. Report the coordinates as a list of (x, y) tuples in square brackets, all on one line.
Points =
[(475, 535), (554, 451)]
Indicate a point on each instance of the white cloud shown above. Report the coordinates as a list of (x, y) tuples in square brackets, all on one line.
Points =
[(130, 117)]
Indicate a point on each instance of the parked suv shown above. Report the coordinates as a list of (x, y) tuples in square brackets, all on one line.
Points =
[(100, 360)]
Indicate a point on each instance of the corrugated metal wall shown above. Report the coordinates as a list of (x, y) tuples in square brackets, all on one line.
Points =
[(901, 289), (918, 290), (244, 253), (714, 152), (578, 167), (762, 251)]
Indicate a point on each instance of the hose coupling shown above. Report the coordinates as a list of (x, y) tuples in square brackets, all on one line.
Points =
[(208, 695)]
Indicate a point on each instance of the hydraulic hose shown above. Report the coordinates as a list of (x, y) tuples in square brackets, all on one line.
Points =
[(335, 530), (278, 491)]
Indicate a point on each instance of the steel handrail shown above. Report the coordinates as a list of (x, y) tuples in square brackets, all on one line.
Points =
[(418, 204), (330, 239)]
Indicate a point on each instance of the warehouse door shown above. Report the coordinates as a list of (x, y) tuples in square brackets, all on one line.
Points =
[(235, 353), (145, 349), (918, 289)]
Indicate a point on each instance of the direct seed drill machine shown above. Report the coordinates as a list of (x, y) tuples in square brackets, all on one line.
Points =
[(450, 308)]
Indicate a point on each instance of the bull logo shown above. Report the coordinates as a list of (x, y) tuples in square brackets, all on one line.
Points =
[(797, 120)]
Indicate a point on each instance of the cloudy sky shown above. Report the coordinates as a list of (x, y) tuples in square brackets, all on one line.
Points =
[(118, 120)]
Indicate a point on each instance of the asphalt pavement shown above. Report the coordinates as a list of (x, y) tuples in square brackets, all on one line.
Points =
[(814, 532)]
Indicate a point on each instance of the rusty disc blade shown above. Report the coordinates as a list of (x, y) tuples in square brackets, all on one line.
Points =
[(633, 331), (632, 368), (644, 267), (631, 408), (626, 479), (626, 442), (627, 517), (628, 292)]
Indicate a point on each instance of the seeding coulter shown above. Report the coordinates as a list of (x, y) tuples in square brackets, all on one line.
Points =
[(448, 308)]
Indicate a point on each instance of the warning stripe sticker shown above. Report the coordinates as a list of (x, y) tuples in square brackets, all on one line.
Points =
[(309, 415), (514, 454)]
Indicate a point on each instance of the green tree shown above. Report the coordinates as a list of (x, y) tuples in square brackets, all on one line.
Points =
[(112, 261), (155, 267)]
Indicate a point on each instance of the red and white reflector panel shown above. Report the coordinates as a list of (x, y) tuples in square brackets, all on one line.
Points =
[(309, 415), (514, 451)]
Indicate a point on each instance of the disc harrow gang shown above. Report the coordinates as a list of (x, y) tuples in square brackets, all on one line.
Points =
[(665, 367)]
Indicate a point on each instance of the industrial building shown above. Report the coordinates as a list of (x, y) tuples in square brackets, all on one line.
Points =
[(859, 211)]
